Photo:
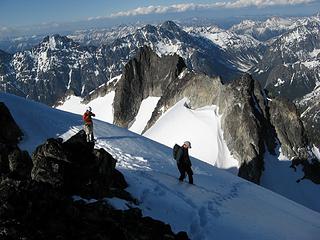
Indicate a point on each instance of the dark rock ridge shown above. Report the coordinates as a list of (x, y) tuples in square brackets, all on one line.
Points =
[(310, 168), (36, 203), (10, 132), (13, 162), (31, 210), (74, 166), (285, 118), (145, 75)]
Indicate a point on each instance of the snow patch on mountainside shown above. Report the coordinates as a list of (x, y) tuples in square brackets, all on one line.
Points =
[(146, 108), (201, 127), (101, 106)]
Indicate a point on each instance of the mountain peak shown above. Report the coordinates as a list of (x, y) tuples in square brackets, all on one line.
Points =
[(171, 26), (56, 41)]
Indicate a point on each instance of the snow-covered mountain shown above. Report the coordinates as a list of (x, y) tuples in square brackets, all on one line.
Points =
[(98, 37), (219, 205), (209, 50), (53, 67), (21, 43), (271, 27), (291, 64), (290, 68), (243, 51), (59, 65)]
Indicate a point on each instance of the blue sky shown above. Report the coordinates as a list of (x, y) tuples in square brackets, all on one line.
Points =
[(19, 17), (28, 12), (25, 12)]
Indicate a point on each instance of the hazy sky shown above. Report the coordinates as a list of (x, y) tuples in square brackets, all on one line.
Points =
[(17, 13)]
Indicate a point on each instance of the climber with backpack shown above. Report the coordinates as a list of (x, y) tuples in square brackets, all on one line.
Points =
[(88, 124), (181, 155)]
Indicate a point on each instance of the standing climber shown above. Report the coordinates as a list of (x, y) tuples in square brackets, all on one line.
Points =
[(88, 124), (183, 161)]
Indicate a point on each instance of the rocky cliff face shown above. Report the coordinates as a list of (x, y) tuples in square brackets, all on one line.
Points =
[(247, 130), (145, 75)]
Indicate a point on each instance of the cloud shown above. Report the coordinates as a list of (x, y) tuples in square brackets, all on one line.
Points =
[(184, 7), (264, 3)]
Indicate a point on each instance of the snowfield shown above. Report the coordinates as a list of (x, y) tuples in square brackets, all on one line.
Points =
[(219, 205), (201, 127)]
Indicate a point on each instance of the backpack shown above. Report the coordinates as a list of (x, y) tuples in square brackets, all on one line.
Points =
[(175, 150)]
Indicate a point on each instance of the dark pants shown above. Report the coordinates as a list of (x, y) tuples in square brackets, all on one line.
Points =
[(183, 170)]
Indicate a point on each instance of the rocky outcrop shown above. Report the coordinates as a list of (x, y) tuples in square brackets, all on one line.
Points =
[(13, 162), (310, 168), (247, 130), (10, 132), (74, 166), (41, 207), (145, 75), (34, 210)]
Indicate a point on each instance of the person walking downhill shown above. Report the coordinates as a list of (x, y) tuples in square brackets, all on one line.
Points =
[(184, 163), (88, 124)]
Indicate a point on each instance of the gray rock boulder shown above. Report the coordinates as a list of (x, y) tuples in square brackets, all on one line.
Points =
[(74, 166), (20, 164), (49, 163)]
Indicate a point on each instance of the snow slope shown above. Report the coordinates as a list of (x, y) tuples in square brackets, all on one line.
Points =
[(101, 106), (144, 114), (201, 127), (219, 206)]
